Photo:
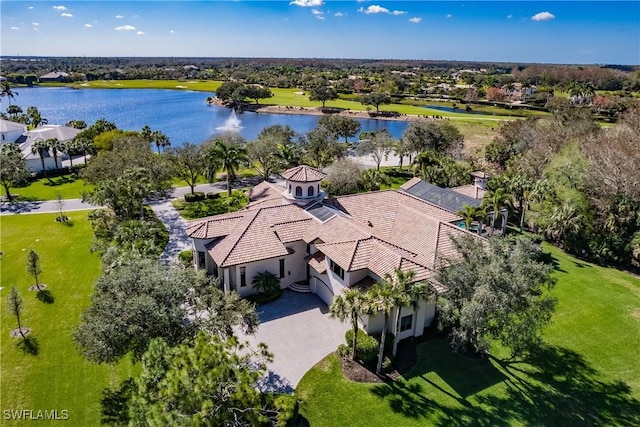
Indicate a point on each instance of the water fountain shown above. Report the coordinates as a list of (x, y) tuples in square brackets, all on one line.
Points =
[(232, 124)]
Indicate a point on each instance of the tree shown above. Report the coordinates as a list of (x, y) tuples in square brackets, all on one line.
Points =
[(289, 155), (263, 153), (14, 111), (15, 307), (235, 201), (161, 140), (340, 126), (35, 118), (471, 213), (40, 147), (321, 148), (343, 177), (126, 176), (188, 163), (231, 91), (495, 94), (373, 179), (376, 99), (6, 90), (207, 382), (440, 170), (12, 169), (139, 299), (526, 191), (256, 92), (382, 298), (70, 148), (379, 146), (495, 200), (77, 124), (33, 267), (226, 157), (322, 93), (345, 307), (441, 137), (54, 145), (266, 283), (497, 290)]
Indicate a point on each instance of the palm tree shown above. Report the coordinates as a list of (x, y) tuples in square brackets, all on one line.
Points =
[(427, 164), (345, 307), (235, 200), (373, 179), (71, 147), (85, 145), (266, 282), (40, 147), (5, 90), (382, 298), (55, 145), (409, 293), (471, 213), (495, 200), (35, 118), (288, 154), (226, 157), (160, 139), (14, 111)]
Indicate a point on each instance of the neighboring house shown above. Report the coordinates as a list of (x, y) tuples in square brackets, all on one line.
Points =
[(55, 76), (33, 162), (11, 131), (456, 198), (327, 246)]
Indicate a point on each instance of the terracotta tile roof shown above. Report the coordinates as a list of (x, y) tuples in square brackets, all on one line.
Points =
[(292, 231), (337, 229), (407, 185), (214, 226), (303, 173), (471, 190), (254, 238), (265, 191), (316, 261)]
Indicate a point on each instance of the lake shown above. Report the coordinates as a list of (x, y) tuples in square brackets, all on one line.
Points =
[(183, 116)]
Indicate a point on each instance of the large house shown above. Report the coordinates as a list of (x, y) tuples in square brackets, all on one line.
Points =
[(327, 246)]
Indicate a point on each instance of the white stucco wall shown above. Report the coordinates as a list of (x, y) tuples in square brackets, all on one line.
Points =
[(35, 165)]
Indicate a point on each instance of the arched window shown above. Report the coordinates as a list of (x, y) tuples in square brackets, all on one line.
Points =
[(298, 191), (310, 192)]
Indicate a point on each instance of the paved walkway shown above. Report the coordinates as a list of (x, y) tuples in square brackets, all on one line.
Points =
[(176, 225), (299, 332)]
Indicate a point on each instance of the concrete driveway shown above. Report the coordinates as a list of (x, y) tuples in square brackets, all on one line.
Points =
[(299, 332)]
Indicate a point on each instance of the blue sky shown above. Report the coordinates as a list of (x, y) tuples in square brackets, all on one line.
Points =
[(513, 31)]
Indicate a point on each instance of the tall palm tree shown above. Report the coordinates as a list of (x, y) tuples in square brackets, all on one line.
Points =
[(70, 148), (471, 213), (40, 147), (5, 90), (55, 145), (373, 179), (85, 145), (409, 294), (495, 201), (346, 306), (228, 158), (160, 139), (288, 154), (382, 298)]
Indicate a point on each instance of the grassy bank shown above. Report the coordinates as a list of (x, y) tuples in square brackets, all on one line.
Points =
[(585, 374), (57, 378), (68, 186)]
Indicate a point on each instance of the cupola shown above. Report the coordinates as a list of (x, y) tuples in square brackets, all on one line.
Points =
[(302, 185)]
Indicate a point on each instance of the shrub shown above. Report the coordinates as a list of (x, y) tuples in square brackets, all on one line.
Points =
[(186, 257), (213, 196), (367, 346), (195, 197), (344, 350), (386, 364)]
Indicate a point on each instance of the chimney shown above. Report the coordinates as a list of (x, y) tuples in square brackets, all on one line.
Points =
[(480, 180)]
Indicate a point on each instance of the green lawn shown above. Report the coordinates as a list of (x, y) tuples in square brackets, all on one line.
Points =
[(585, 374), (69, 186), (196, 85), (57, 377)]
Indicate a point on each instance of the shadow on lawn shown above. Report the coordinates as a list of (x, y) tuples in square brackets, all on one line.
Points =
[(30, 345), (45, 296), (554, 386)]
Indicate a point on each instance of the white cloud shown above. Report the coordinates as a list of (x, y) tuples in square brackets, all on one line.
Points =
[(59, 8), (119, 16), (15, 28), (125, 28), (140, 33), (88, 26), (318, 13), (30, 8), (35, 24), (449, 15), (415, 20), (307, 3), (543, 16), (172, 32), (338, 14), (66, 15), (374, 9), (509, 16)]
